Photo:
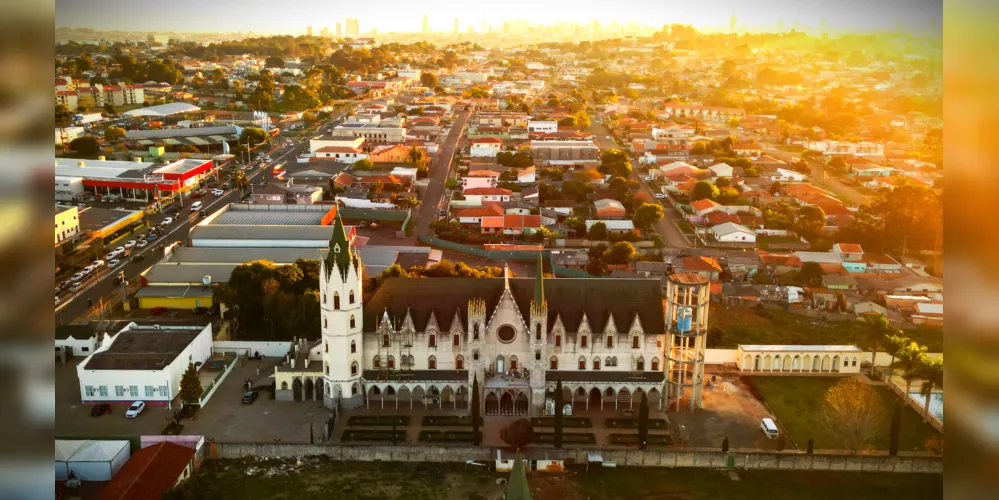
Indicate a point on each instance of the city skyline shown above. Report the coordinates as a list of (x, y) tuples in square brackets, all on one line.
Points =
[(403, 17)]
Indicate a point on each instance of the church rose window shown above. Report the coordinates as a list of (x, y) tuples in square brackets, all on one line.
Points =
[(506, 334)]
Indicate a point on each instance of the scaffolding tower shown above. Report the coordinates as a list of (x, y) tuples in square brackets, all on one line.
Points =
[(687, 297)]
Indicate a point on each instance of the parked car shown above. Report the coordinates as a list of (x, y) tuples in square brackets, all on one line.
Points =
[(130, 244), (167, 221), (156, 311), (196, 206), (76, 277), (249, 397), (97, 263), (99, 410), (217, 192), (119, 250), (135, 409), (141, 244), (660, 196), (199, 310), (113, 263), (152, 237), (648, 178), (75, 286)]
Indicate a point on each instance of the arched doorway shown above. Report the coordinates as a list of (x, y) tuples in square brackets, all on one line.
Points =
[(309, 389), (594, 398), (296, 389), (521, 405), (796, 364), (825, 363), (608, 396), (636, 398), (447, 396), (506, 404), (404, 395), (835, 363), (624, 398), (492, 404), (747, 362), (319, 390), (815, 364), (756, 363), (419, 394), (655, 398)]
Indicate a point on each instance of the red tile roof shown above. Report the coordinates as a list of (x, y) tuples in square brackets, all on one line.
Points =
[(487, 140), (521, 221), (491, 209), (719, 217), (149, 472), (850, 248), (700, 263), (704, 204)]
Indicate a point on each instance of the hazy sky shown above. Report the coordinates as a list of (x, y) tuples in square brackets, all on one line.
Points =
[(292, 16)]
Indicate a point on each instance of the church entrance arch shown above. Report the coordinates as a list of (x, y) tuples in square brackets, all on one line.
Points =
[(521, 405), (492, 404), (506, 404), (296, 389)]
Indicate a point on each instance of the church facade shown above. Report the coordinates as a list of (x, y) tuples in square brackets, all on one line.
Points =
[(420, 342)]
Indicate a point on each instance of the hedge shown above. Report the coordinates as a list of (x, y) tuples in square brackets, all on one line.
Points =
[(448, 420), (566, 422), (633, 439), (567, 437), (632, 423), (379, 420), (379, 435), (449, 436)]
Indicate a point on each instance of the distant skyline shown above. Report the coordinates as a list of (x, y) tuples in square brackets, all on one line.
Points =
[(293, 16)]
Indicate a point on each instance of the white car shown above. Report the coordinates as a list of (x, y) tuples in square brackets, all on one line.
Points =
[(113, 263), (141, 244), (97, 263), (660, 196), (119, 250), (196, 206), (77, 277), (648, 178), (135, 409), (218, 192), (167, 221), (130, 244)]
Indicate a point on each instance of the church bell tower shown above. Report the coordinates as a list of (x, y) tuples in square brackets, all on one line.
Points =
[(340, 282)]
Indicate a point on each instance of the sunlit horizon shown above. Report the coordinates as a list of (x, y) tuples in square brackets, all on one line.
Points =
[(394, 16)]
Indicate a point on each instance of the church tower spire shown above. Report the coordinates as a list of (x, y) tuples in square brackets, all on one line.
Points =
[(339, 255), (539, 284)]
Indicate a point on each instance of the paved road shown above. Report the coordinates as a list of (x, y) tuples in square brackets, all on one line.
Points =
[(671, 236), (439, 172), (819, 177), (74, 307)]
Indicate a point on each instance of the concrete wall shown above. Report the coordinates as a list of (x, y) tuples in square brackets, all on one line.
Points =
[(266, 349), (721, 356), (692, 457)]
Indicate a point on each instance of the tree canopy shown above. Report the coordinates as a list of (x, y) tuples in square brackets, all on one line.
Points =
[(615, 163)]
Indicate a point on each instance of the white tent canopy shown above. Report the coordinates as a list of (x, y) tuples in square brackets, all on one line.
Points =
[(90, 460)]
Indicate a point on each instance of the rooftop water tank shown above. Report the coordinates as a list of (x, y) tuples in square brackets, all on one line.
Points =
[(207, 280)]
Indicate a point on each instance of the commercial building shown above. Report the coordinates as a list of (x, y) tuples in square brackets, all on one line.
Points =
[(67, 224), (571, 153), (143, 363), (343, 149), (131, 180), (207, 139)]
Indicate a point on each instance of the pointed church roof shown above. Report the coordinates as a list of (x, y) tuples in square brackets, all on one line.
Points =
[(339, 253), (517, 488), (539, 283)]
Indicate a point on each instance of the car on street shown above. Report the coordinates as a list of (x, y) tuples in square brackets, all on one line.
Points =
[(217, 192), (648, 178), (97, 263), (119, 250), (660, 196), (135, 409), (141, 244), (75, 286), (113, 263), (608, 137), (130, 244), (167, 221), (196, 206), (249, 397), (99, 410), (76, 277)]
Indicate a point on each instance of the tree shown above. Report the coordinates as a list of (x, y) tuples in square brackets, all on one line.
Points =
[(853, 414), (895, 428), (582, 120), (252, 136), (894, 345), (190, 386), (576, 225), (727, 195), (615, 163), (775, 188), (643, 422), (63, 115), (309, 117), (476, 435), (911, 358), (114, 134), (811, 273), (274, 62), (931, 371), (598, 231), (837, 165), (648, 214), (698, 149), (518, 434), (240, 182), (597, 267), (702, 190), (779, 215), (588, 175), (86, 145), (417, 157), (811, 219), (109, 109), (364, 164), (621, 252), (428, 80), (558, 413)]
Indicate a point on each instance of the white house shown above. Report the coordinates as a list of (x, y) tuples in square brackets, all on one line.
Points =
[(542, 126), (720, 170), (485, 147), (341, 149), (785, 175), (730, 232), (483, 195), (480, 179), (143, 363), (527, 175), (613, 226)]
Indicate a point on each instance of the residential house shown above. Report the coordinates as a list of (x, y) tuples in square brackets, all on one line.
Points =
[(705, 266), (474, 215), (868, 307), (928, 313), (564, 207), (487, 194), (613, 226), (527, 175), (730, 232), (511, 224), (609, 209), (750, 148), (286, 193), (485, 147), (390, 153), (480, 179), (721, 170), (837, 282), (849, 251), (704, 205), (881, 264), (915, 285), (338, 149)]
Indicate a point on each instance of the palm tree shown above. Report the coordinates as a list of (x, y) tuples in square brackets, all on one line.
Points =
[(240, 182), (883, 329), (895, 343), (931, 371), (910, 359), (417, 156)]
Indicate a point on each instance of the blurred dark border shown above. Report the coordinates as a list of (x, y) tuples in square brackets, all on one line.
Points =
[(26, 253)]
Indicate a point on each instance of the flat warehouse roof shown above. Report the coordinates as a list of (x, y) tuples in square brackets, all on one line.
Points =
[(237, 255), (176, 272), (96, 219), (254, 218), (143, 349), (276, 233)]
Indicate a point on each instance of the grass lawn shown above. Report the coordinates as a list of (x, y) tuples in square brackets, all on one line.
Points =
[(731, 326), (797, 402), (632, 483)]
